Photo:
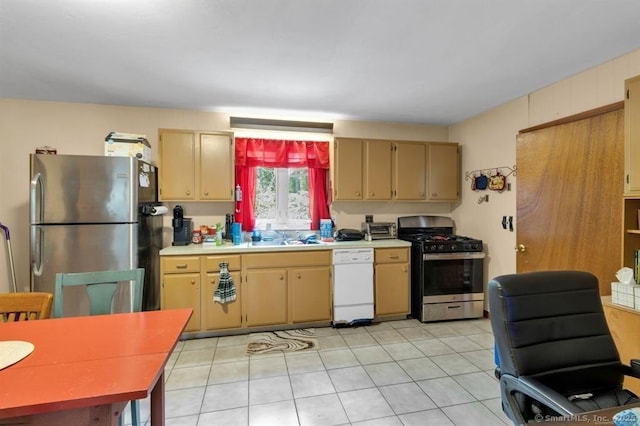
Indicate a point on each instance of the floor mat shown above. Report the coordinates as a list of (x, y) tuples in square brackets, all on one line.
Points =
[(282, 341)]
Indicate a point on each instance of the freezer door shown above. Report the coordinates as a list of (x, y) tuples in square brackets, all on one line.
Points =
[(83, 189), (82, 248)]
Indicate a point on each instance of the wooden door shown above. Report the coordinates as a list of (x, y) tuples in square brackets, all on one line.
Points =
[(377, 170), (217, 315), (410, 169), (183, 291), (443, 172), (569, 197), (392, 289), (177, 166), (311, 293), (348, 170), (216, 167), (265, 297)]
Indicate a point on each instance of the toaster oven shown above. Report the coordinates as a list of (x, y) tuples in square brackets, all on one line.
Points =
[(379, 230)]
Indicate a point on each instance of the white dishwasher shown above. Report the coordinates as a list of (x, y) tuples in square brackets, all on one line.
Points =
[(352, 286)]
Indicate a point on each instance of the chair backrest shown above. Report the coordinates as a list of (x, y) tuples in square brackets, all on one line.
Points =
[(101, 287), (550, 325), (25, 306)]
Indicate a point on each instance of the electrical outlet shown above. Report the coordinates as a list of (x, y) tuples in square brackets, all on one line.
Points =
[(368, 218)]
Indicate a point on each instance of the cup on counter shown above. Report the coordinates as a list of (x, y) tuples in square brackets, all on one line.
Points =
[(236, 233)]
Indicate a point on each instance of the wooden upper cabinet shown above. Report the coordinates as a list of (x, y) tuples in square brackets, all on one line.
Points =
[(348, 169), (384, 170), (410, 168), (195, 165), (632, 136), (177, 163), (443, 172), (216, 167), (377, 177)]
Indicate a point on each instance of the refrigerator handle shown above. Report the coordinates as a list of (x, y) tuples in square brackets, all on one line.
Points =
[(36, 238), (36, 250), (36, 183)]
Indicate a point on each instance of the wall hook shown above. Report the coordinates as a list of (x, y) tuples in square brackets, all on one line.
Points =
[(484, 198)]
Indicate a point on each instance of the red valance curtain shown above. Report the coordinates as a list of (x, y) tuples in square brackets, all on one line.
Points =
[(253, 152)]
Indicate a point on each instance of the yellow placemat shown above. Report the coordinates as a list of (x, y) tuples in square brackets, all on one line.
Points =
[(12, 351)]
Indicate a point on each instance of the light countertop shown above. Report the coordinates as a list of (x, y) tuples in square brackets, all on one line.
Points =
[(204, 249)]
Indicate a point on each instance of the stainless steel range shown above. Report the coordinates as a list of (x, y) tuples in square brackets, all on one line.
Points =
[(447, 270)]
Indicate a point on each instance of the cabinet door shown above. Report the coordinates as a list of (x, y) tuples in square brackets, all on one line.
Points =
[(392, 289), (183, 291), (217, 315), (177, 166), (311, 293), (443, 172), (265, 297), (632, 135), (216, 167), (410, 171), (347, 178), (378, 170)]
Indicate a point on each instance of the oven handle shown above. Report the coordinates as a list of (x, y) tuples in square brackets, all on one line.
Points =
[(454, 256)]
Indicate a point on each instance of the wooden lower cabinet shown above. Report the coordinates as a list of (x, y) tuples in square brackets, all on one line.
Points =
[(392, 282), (181, 286), (272, 289), (266, 297), (310, 293), (218, 315)]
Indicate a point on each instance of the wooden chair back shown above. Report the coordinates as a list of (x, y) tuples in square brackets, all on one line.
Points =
[(25, 306), (101, 287)]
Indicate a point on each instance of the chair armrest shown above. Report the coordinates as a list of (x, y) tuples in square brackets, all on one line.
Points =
[(633, 370), (537, 391)]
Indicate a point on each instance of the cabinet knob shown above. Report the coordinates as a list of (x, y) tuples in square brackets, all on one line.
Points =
[(206, 193), (188, 192), (357, 194), (193, 282), (521, 248), (213, 281), (181, 266), (298, 276), (404, 269), (373, 194), (434, 194), (281, 277), (421, 194)]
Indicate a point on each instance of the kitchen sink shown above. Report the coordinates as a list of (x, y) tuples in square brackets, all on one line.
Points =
[(282, 242)]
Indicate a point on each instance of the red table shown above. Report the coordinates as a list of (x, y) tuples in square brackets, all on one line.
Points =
[(84, 370)]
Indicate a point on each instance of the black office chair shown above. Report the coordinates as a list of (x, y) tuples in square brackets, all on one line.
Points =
[(556, 354)]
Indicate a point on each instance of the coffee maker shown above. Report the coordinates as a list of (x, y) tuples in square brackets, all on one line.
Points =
[(181, 227)]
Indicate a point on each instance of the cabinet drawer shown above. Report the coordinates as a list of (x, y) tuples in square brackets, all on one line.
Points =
[(176, 265), (392, 255), (212, 263), (288, 259)]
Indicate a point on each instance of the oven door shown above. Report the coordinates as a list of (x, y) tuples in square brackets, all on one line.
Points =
[(449, 277)]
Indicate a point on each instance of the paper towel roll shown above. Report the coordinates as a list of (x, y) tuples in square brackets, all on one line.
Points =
[(158, 210)]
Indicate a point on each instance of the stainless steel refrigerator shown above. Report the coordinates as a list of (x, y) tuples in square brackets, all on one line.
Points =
[(93, 213)]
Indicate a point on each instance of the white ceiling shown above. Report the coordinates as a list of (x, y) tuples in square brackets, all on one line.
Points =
[(420, 61)]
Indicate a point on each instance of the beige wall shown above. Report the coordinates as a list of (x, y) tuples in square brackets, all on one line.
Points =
[(81, 129), (488, 141)]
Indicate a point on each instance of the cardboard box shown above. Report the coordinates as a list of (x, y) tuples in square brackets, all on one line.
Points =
[(127, 145)]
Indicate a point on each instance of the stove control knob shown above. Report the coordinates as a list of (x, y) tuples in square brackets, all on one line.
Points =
[(440, 248), (453, 247)]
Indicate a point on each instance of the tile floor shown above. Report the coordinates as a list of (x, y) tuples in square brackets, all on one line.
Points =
[(391, 373)]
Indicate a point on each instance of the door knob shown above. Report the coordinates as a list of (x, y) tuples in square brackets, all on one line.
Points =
[(521, 248)]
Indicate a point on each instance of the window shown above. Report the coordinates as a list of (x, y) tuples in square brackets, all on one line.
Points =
[(283, 181), (282, 198)]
